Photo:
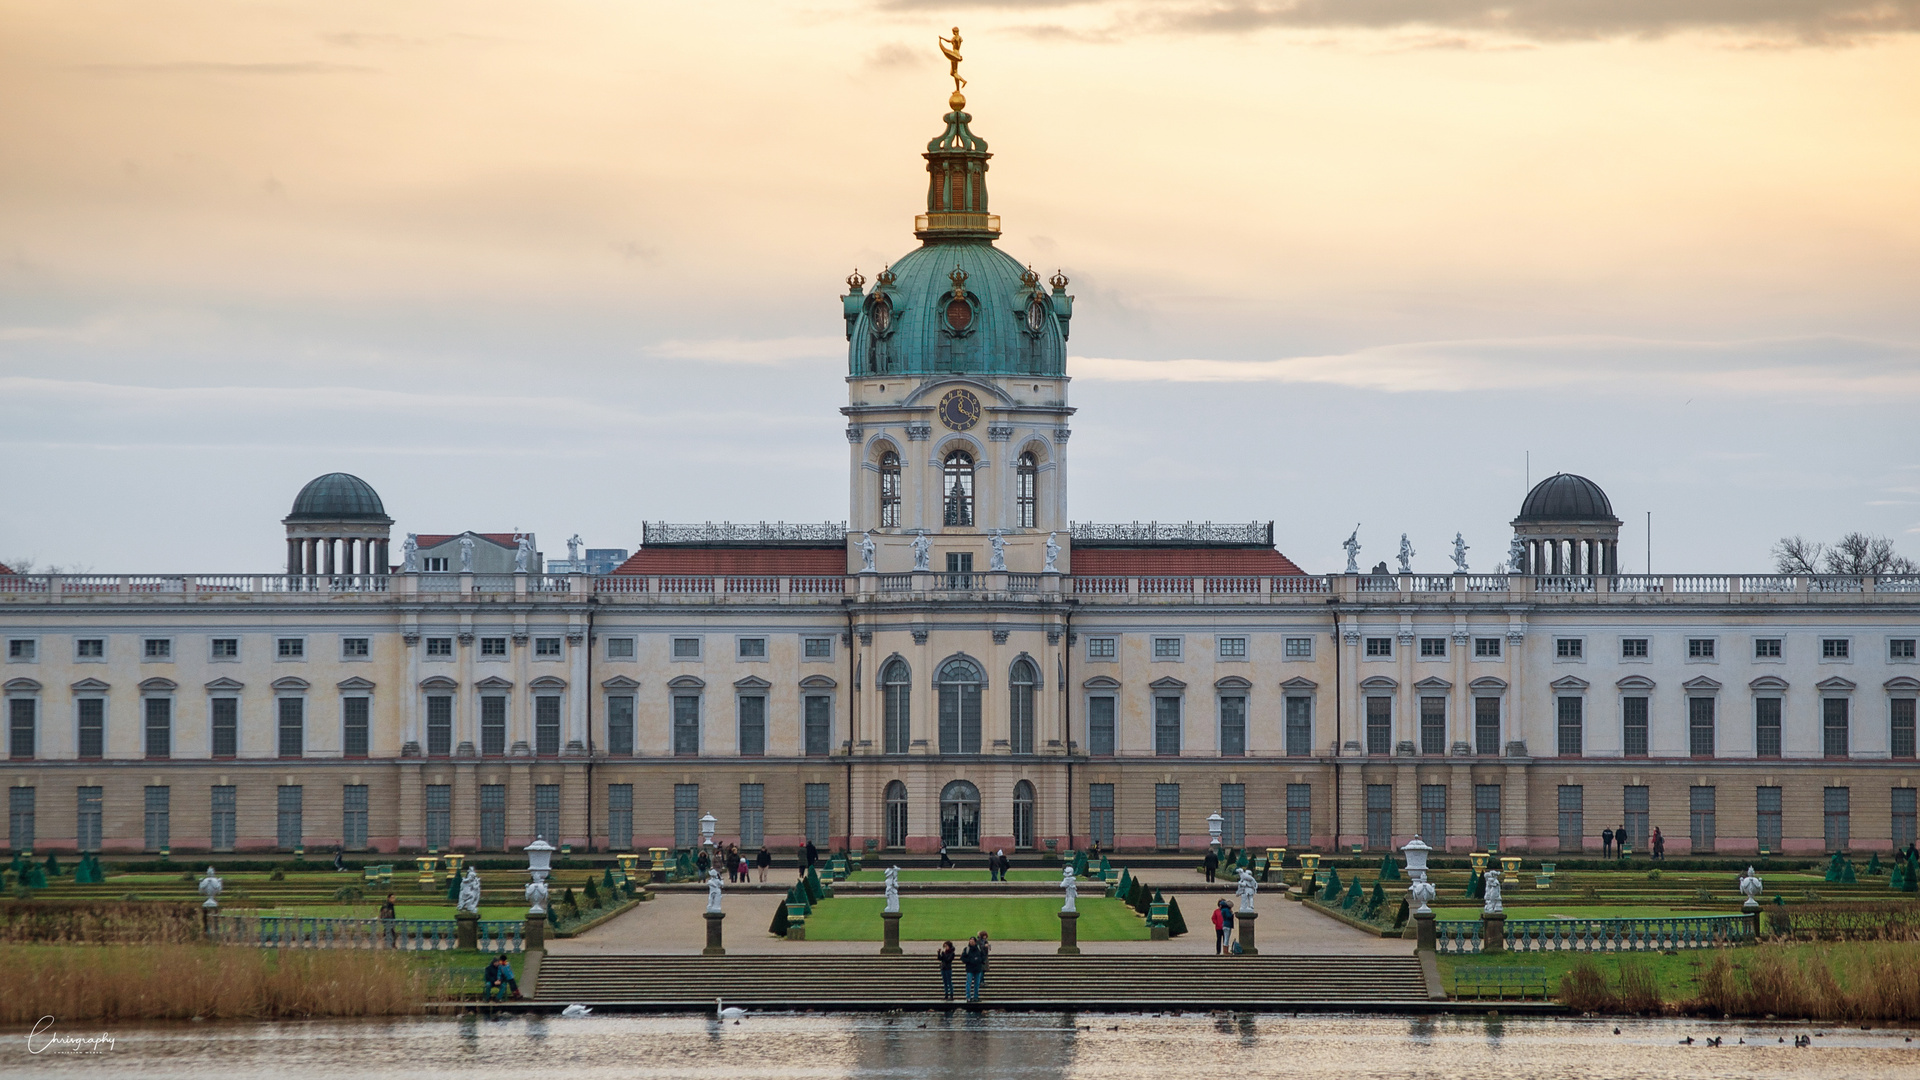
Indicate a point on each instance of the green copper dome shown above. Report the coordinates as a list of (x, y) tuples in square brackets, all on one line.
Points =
[(338, 497)]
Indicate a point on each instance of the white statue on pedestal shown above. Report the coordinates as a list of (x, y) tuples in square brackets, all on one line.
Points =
[(1493, 905), (410, 554), (1406, 555), (1053, 554), (866, 555), (210, 887), (574, 543), (997, 561), (922, 550), (470, 892), (713, 889), (1352, 545), (1421, 893), (523, 554), (1459, 554), (1516, 556), (1750, 888), (466, 554), (1246, 889), (1072, 886), (537, 896), (893, 888)]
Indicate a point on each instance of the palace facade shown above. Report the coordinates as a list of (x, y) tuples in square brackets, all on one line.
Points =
[(960, 663)]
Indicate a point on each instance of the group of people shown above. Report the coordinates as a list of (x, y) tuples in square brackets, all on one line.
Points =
[(497, 982), (973, 962), (729, 858), (997, 865), (1612, 838), (1222, 924)]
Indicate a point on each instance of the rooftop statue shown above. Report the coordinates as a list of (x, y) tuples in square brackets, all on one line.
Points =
[(574, 544), (922, 550), (1406, 555), (523, 554), (466, 554), (950, 48), (998, 560), (1053, 553), (1459, 554), (866, 554), (410, 554), (1353, 551)]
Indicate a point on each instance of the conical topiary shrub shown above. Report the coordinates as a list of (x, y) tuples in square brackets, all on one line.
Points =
[(1377, 900), (779, 926), (1332, 892), (1476, 887), (1141, 900), (1176, 925), (1354, 896)]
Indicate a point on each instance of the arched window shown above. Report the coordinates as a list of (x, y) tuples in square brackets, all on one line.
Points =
[(896, 687), (1026, 476), (1020, 707), (958, 484), (960, 815), (889, 490), (1023, 815), (959, 708), (896, 814)]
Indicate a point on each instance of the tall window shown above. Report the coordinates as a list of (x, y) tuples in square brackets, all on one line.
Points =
[(1233, 726), (1637, 807), (1233, 814), (1166, 815), (896, 807), (1766, 727), (1838, 804), (353, 726), (1486, 726), (159, 808), (1633, 726), (88, 800), (1299, 815), (1020, 707), (293, 726), (546, 812), (686, 815), (620, 725), (1100, 814), (440, 816), (686, 726), (1903, 817), (493, 816), (889, 490), (1573, 818), (439, 725), (20, 823), (1572, 722), (620, 816), (1379, 816), (753, 815), (1486, 816), (1299, 725), (1025, 475), (546, 725), (159, 712), (1901, 712), (1766, 804), (897, 691), (1023, 815), (1700, 726), (493, 725), (1433, 725), (819, 818), (959, 708), (958, 486), (1700, 813), (1833, 726), (960, 815), (21, 713), (1100, 725), (1433, 814), (753, 724), (225, 812), (1166, 725), (819, 722), (93, 726), (1379, 725), (353, 817), (291, 816)]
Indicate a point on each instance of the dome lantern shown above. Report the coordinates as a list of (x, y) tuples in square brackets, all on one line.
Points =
[(1566, 526)]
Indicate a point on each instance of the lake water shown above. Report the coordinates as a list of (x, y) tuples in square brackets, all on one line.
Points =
[(994, 1046)]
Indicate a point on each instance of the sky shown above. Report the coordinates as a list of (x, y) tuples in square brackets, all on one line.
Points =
[(571, 266)]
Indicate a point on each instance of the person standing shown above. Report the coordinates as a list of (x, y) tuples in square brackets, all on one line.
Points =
[(387, 917), (1606, 843), (813, 854), (1211, 864), (945, 955), (703, 863), (1659, 844), (763, 860), (973, 959), (1620, 840), (986, 954), (1219, 928)]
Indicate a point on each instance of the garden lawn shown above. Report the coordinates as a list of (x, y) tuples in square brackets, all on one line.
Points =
[(955, 875), (957, 918)]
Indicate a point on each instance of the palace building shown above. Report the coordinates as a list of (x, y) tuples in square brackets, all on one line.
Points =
[(958, 663)]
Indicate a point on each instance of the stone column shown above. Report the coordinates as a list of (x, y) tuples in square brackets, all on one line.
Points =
[(714, 945), (1069, 933), (1244, 920), (1424, 939), (1493, 932), (466, 930), (293, 556), (890, 933)]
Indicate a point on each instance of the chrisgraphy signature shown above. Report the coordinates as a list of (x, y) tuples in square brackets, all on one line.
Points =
[(42, 1038)]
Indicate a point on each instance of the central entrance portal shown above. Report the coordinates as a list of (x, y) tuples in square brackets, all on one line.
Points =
[(960, 815)]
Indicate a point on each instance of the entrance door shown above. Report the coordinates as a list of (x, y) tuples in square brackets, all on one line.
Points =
[(960, 815)]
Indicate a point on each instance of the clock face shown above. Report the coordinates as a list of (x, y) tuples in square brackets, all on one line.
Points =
[(959, 410)]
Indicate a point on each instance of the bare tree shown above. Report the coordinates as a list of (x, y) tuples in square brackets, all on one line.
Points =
[(1854, 553), (1798, 555)]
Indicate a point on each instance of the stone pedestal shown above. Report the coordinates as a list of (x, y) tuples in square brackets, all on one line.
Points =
[(1244, 919), (1158, 932), (890, 933), (1069, 933), (536, 930), (1493, 933), (466, 930), (715, 947), (1424, 940)]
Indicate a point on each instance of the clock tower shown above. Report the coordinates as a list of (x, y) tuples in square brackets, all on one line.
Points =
[(957, 415)]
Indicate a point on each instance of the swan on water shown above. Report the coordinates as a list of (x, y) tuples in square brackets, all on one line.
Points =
[(726, 1012)]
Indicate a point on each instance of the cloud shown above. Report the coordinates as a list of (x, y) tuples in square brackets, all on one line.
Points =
[(748, 351), (894, 55), (200, 67)]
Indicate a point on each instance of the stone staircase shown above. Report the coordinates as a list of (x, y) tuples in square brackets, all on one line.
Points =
[(691, 983)]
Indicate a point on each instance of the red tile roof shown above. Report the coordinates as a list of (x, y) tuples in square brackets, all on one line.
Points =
[(4, 570), (505, 540), (1198, 561), (735, 560)]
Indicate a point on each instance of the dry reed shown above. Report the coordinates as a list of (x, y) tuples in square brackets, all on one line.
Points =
[(1881, 984), (99, 922), (1584, 989), (179, 982)]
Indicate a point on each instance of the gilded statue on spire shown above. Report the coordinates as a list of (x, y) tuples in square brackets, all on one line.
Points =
[(950, 48)]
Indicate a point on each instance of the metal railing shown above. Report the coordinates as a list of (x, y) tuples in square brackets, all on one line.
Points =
[(313, 932), (1599, 935)]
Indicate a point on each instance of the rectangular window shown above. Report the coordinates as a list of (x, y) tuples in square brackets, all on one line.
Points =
[(293, 726), (493, 647), (356, 648), (546, 648), (1486, 648), (226, 648), (1166, 726), (157, 649), (1571, 715), (22, 649), (546, 813), (1233, 726), (1100, 814), (686, 725), (753, 725), (1633, 726), (1166, 815), (1433, 725), (546, 725), (1380, 816), (90, 810), (1766, 727), (1637, 806), (1100, 726), (1233, 648), (159, 832), (1700, 803), (819, 816), (1486, 816), (1379, 646), (353, 817), (22, 712), (355, 713), (440, 816), (1700, 726), (1766, 825), (959, 570), (818, 648), (686, 648), (1102, 648), (1835, 648), (1233, 815), (1766, 648), (1833, 726), (896, 717), (620, 725), (1299, 648), (434, 564), (1903, 817), (439, 647), (493, 817), (439, 725), (493, 725), (226, 727), (90, 649), (1901, 713), (1433, 647), (1633, 648), (818, 710), (290, 803), (1433, 814), (1299, 726), (1569, 648), (1700, 648), (20, 824), (292, 648), (1838, 804), (159, 713), (93, 727), (1299, 816), (1166, 648), (619, 648), (1901, 648), (753, 815), (1486, 726), (751, 648), (686, 816), (1379, 725), (620, 817), (1573, 819)]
